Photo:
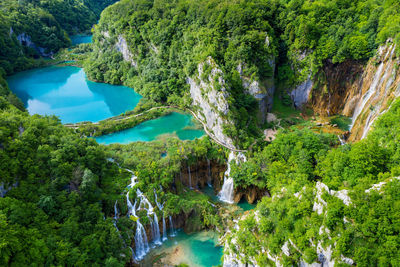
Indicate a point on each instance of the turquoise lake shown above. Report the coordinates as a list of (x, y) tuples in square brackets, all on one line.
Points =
[(175, 123), (196, 250), (80, 39), (65, 92)]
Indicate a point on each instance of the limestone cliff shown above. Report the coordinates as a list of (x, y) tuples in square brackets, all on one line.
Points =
[(25, 40), (261, 90), (323, 243), (210, 100), (354, 89)]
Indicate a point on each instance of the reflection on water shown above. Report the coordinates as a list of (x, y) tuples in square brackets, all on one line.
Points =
[(65, 92)]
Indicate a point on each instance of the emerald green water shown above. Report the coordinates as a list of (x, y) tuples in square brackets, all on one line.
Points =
[(195, 250), (173, 123), (65, 92), (80, 39), (246, 205)]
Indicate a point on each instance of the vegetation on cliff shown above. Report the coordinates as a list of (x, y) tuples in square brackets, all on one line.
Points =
[(355, 215)]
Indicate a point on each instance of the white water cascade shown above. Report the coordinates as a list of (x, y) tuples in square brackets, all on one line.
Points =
[(171, 226), (161, 207), (164, 226), (141, 243), (342, 142), (115, 215), (226, 193), (371, 91)]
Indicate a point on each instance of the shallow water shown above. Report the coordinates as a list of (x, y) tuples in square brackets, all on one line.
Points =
[(246, 205), (81, 39), (65, 92), (173, 123), (196, 250)]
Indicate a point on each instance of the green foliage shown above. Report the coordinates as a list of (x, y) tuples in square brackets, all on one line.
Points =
[(59, 190), (335, 30), (42, 27), (289, 160), (364, 229)]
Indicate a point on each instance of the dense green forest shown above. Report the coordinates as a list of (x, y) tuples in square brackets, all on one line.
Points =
[(366, 230), (168, 40), (61, 187), (44, 23)]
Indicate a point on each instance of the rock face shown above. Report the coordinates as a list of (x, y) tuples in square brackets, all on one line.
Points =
[(201, 174), (25, 40), (210, 100), (363, 92), (262, 91), (122, 47), (301, 93), (251, 194), (205, 173)]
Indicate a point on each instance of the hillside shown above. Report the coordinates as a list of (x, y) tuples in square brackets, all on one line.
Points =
[(298, 163)]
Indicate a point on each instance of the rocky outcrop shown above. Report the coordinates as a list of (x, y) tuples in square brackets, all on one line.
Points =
[(235, 256), (25, 40), (251, 194), (122, 47), (363, 92), (262, 91), (210, 100), (201, 174), (301, 93)]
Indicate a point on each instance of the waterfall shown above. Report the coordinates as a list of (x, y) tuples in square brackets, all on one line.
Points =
[(367, 96), (141, 243), (209, 181), (152, 229), (133, 254), (115, 210), (133, 179), (342, 142), (171, 226), (115, 215), (190, 178), (131, 210), (164, 229), (156, 238), (226, 193)]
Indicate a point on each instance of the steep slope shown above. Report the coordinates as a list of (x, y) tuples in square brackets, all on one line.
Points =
[(168, 47), (344, 213), (362, 92)]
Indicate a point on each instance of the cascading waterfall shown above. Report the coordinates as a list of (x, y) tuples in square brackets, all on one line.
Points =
[(115, 215), (372, 89), (141, 243), (190, 178), (164, 229), (171, 226), (342, 142), (161, 207), (226, 193), (209, 181)]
